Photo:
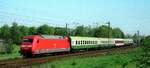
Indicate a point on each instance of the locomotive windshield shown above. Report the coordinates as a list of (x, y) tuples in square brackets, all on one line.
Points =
[(28, 40)]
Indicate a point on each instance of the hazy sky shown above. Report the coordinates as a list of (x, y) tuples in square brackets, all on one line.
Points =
[(129, 15)]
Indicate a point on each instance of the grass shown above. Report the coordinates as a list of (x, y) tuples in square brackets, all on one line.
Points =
[(108, 61), (15, 54)]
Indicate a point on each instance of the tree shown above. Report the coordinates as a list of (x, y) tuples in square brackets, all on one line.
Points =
[(103, 31), (128, 36), (23, 30), (15, 33), (80, 31), (135, 38), (45, 29), (90, 31), (51, 30), (5, 35), (5, 32), (117, 33), (32, 30), (60, 31)]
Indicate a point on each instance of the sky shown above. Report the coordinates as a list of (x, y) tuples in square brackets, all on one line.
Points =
[(128, 15)]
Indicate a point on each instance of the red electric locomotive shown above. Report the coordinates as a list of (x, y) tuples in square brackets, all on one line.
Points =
[(37, 44)]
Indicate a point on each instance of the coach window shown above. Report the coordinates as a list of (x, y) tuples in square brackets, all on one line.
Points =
[(90, 42), (95, 42), (83, 42), (76, 42), (79, 42), (86, 42)]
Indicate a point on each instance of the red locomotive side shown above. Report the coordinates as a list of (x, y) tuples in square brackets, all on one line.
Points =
[(38, 44)]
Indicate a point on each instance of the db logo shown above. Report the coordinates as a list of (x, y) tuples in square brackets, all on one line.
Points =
[(54, 45)]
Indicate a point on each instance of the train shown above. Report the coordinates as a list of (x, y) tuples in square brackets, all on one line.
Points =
[(32, 45)]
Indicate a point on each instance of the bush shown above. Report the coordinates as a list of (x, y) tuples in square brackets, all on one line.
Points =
[(146, 42), (73, 63), (8, 46), (144, 58), (53, 66)]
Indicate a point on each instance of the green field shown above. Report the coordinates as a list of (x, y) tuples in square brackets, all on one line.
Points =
[(116, 60), (15, 54)]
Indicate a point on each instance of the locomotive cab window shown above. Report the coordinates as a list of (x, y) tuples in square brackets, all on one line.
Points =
[(28, 40)]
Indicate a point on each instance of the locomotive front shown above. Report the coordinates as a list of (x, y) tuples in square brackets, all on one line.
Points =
[(26, 45)]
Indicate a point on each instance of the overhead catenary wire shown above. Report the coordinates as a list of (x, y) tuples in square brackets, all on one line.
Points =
[(30, 19), (34, 21)]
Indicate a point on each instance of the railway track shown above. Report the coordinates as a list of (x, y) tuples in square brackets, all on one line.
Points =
[(26, 63)]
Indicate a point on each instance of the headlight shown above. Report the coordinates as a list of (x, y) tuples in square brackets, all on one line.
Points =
[(23, 45), (29, 45), (26, 45)]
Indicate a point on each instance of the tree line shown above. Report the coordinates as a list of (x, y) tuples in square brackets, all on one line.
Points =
[(15, 32)]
